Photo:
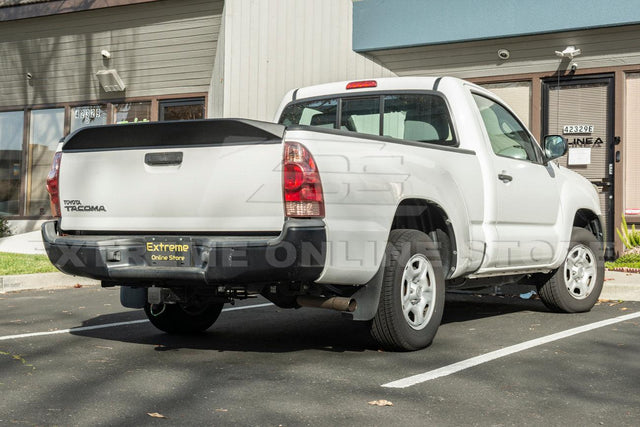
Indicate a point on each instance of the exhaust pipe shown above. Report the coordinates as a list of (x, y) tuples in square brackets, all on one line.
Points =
[(333, 303)]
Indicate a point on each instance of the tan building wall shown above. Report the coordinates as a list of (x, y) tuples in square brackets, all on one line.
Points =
[(157, 48)]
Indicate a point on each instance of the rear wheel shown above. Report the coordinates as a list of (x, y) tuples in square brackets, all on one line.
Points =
[(576, 285), (412, 295), (183, 319)]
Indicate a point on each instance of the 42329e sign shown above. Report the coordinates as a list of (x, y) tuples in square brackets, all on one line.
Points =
[(577, 129)]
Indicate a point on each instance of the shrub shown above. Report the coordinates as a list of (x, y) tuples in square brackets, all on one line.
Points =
[(4, 227), (630, 239)]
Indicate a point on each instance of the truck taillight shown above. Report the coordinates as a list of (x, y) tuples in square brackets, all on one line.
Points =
[(53, 180), (303, 197)]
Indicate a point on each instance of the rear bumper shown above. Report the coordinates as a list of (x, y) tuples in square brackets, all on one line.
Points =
[(297, 254)]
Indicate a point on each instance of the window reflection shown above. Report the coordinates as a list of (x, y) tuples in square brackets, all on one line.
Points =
[(133, 112), (11, 133), (183, 109), (47, 127)]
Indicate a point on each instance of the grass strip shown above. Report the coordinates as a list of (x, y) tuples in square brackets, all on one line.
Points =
[(12, 264)]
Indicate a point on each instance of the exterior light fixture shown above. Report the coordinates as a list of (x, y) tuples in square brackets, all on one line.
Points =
[(110, 81), (569, 52)]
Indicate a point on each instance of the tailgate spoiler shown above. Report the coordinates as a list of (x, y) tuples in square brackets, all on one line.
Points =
[(174, 134)]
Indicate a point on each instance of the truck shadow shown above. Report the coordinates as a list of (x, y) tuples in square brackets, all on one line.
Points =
[(275, 330)]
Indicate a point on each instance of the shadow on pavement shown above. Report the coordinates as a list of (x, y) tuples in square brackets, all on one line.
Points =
[(275, 330)]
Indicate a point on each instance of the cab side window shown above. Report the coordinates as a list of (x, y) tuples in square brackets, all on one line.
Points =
[(508, 137)]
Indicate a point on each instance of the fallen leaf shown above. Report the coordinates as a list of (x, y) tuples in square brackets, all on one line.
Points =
[(77, 285), (381, 402), (608, 278), (222, 410), (624, 309), (156, 415)]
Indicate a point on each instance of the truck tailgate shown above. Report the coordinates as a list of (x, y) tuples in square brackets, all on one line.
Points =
[(193, 176)]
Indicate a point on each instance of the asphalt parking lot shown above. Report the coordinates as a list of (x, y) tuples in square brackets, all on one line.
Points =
[(261, 365)]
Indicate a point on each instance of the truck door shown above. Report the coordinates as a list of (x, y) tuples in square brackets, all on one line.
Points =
[(527, 197)]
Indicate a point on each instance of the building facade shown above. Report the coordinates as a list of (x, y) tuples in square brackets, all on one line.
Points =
[(570, 68), (565, 67), (66, 64)]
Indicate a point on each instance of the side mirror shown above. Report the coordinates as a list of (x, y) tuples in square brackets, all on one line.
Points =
[(554, 146)]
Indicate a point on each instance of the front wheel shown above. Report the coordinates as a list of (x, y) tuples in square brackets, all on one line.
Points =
[(178, 319), (412, 295), (576, 285)]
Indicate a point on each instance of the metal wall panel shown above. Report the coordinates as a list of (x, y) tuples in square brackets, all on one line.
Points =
[(157, 48), (272, 46), (529, 54)]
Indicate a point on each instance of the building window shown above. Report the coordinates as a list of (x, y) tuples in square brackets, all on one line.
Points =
[(88, 115), (11, 134), (132, 112), (45, 131), (181, 109)]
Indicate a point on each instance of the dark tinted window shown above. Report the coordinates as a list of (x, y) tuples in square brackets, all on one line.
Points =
[(181, 109)]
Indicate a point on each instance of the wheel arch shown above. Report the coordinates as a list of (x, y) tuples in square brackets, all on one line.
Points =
[(589, 220), (430, 218)]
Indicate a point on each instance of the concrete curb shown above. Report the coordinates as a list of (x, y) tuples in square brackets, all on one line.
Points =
[(42, 281)]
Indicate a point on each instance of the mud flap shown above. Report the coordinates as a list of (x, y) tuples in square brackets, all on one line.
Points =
[(368, 297)]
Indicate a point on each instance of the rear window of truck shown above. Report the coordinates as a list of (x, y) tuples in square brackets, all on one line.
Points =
[(412, 117)]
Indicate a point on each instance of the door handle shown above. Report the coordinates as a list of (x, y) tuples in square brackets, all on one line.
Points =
[(172, 158), (505, 178)]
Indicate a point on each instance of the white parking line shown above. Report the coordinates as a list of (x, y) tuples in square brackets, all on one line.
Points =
[(109, 325), (478, 360)]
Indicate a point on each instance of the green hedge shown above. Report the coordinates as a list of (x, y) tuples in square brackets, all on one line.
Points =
[(630, 260)]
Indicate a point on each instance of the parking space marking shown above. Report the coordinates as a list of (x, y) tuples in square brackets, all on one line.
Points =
[(109, 325), (478, 360)]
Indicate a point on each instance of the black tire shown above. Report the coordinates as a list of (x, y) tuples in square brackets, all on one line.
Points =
[(575, 287), (176, 319), (390, 327)]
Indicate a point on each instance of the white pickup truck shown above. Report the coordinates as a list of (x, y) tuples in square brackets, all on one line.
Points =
[(369, 197)]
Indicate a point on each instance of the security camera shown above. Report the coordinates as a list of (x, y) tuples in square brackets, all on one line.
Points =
[(574, 66), (503, 54), (29, 76), (105, 54)]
